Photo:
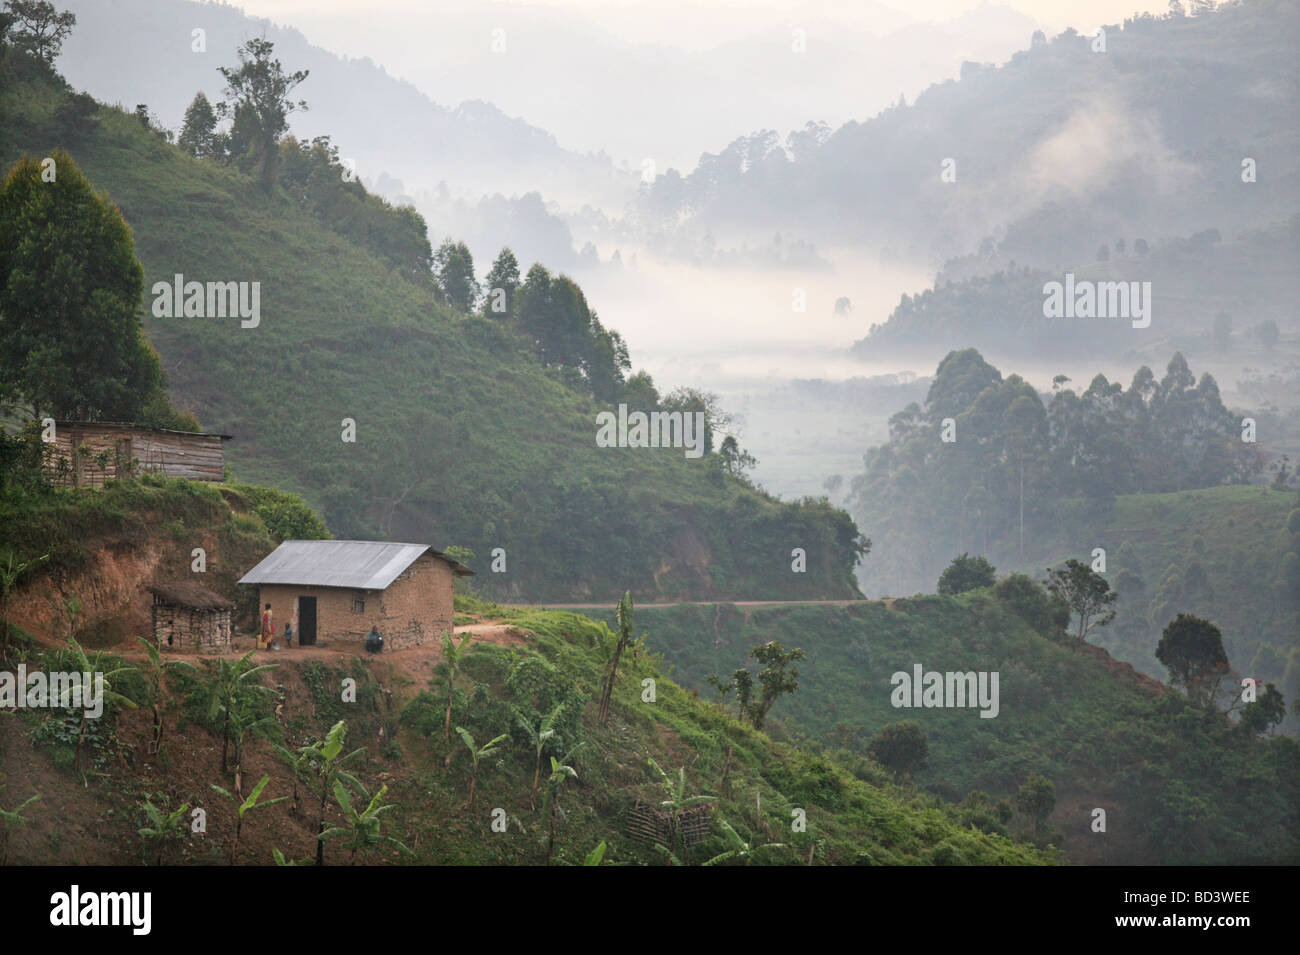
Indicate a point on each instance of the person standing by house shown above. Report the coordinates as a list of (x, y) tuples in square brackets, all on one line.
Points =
[(288, 634), (268, 629), (374, 641)]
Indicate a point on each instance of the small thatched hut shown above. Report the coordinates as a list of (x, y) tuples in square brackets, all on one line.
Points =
[(190, 618)]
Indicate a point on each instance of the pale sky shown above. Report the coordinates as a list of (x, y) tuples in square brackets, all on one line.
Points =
[(645, 15)]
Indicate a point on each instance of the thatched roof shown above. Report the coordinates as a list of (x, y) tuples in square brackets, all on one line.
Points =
[(182, 593)]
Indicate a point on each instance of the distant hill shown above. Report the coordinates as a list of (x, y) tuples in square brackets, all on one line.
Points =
[(462, 437), (140, 51), (1248, 278), (1146, 138), (1155, 473)]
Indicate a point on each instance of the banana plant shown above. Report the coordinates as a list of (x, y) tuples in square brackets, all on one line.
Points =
[(738, 848), (10, 571), (451, 660), (243, 724), (11, 819), (364, 829), (95, 667), (234, 687), (320, 765), (595, 855), (162, 828), (677, 803), (623, 618), (281, 860), (156, 673), (539, 736), (477, 754), (560, 772), (245, 807)]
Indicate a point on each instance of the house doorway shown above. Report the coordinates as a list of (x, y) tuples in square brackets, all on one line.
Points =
[(306, 621)]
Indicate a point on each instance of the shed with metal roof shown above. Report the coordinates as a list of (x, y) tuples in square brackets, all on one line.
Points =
[(330, 590)]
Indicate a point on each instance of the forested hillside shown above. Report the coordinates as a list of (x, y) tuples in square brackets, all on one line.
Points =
[(363, 386), (1210, 295), (1137, 471), (1072, 142)]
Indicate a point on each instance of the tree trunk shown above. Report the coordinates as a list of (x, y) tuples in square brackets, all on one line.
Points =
[(550, 842), (225, 742), (320, 843), (609, 683), (234, 847), (81, 736), (446, 729)]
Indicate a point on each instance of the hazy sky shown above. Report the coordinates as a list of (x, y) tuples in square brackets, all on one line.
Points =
[(664, 20)]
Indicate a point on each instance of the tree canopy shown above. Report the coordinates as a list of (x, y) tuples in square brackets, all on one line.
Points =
[(260, 88), (71, 288), (1192, 649)]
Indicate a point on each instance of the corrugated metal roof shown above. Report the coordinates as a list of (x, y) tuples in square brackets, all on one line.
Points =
[(358, 565)]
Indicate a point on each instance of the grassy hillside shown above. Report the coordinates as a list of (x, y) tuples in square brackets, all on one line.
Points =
[(1172, 780), (461, 436), (1218, 552), (541, 660), (101, 547)]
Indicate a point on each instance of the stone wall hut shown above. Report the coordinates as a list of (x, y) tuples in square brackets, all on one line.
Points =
[(87, 453), (190, 619), (335, 591)]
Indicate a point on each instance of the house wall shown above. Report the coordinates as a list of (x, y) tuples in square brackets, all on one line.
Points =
[(198, 457), (412, 612), (191, 631)]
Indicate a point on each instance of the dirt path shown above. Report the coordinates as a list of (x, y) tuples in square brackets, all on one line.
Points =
[(609, 606), (409, 659)]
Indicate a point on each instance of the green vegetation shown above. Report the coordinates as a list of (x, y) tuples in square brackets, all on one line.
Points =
[(597, 774), (163, 829), (1192, 649), (1186, 553), (245, 807), (1168, 769), (1136, 472), (60, 533), (71, 345), (966, 573), (350, 330)]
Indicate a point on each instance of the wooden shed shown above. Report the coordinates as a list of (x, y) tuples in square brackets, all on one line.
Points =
[(87, 453), (190, 619)]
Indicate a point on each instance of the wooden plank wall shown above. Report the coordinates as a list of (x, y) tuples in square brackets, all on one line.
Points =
[(198, 457)]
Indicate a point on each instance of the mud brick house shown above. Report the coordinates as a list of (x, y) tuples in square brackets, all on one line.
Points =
[(334, 591), (87, 453), (190, 618)]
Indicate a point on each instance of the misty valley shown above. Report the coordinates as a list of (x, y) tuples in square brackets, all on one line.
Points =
[(539, 433)]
